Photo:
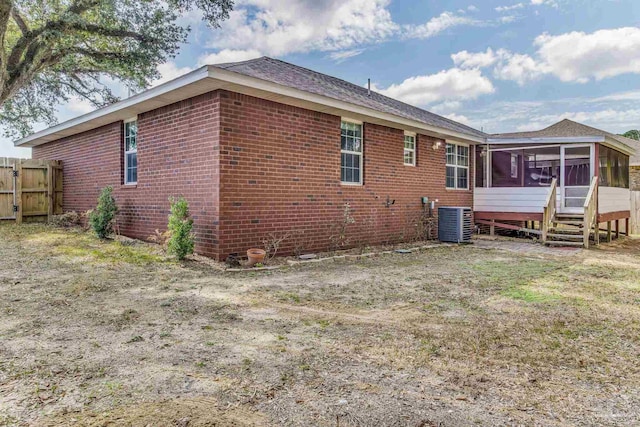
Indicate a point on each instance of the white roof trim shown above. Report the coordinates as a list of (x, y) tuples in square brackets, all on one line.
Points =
[(209, 78), (605, 140), (121, 110), (546, 140)]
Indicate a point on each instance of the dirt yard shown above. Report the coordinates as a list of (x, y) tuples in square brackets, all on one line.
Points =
[(106, 334)]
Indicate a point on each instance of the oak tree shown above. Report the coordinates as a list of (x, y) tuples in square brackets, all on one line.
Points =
[(56, 50)]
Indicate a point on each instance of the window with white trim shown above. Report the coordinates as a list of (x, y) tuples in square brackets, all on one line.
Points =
[(457, 166), (350, 153), (131, 152), (409, 149)]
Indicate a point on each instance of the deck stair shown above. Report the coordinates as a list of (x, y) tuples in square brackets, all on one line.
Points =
[(566, 230), (572, 229)]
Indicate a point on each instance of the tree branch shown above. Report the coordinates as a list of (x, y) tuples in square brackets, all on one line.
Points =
[(15, 14)]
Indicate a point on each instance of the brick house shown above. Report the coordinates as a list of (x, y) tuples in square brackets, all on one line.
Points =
[(265, 147), (262, 147)]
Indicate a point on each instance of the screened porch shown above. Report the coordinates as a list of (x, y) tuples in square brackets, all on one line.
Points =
[(540, 182)]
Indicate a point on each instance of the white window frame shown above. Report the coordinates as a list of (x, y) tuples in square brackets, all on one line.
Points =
[(457, 166), (409, 150), (126, 153), (360, 153)]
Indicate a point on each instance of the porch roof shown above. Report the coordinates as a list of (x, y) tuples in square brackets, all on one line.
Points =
[(568, 132)]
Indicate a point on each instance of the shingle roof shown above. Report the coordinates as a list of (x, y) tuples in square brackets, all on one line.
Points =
[(286, 74), (569, 128)]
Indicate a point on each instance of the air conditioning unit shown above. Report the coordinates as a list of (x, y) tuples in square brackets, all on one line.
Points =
[(454, 224)]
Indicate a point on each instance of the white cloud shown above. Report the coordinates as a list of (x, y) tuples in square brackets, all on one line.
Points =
[(451, 84), (517, 67), (502, 9), (459, 118), (551, 3), (572, 57), (80, 106), (579, 57), (228, 55), (633, 95), (507, 19), (446, 107), (278, 28), (169, 71), (437, 25), (465, 59), (343, 55)]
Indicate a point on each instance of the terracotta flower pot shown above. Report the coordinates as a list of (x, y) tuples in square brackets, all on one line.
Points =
[(255, 256)]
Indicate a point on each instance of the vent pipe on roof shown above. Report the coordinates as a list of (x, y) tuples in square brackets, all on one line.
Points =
[(368, 87)]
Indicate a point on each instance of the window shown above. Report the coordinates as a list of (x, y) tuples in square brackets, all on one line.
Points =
[(131, 152), (457, 166), (409, 149), (351, 153)]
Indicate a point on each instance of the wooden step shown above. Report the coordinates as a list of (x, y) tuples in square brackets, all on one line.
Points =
[(562, 243), (568, 222), (564, 236), (569, 217)]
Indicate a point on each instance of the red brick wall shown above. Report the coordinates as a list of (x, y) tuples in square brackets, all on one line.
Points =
[(251, 167), (177, 155), (280, 172)]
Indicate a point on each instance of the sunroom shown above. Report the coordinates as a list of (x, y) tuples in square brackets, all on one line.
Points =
[(559, 188)]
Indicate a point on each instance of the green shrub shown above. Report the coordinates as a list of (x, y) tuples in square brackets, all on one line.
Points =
[(102, 217), (182, 239)]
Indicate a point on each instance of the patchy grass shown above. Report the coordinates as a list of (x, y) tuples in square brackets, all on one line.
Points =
[(81, 245), (95, 332)]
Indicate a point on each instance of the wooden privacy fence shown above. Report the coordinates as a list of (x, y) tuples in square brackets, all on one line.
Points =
[(30, 190), (635, 212)]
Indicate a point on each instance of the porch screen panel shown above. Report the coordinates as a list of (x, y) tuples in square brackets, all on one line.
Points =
[(542, 165), (506, 170), (577, 167), (527, 167), (613, 168)]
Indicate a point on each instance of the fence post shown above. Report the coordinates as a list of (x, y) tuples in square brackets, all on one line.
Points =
[(17, 167), (50, 191)]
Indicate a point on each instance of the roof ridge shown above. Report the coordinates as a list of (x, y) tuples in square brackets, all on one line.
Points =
[(227, 65)]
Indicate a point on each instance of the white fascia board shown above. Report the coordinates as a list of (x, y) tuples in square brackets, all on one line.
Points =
[(548, 140), (121, 110), (605, 140)]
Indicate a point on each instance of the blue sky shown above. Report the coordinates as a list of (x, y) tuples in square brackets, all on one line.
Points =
[(504, 65)]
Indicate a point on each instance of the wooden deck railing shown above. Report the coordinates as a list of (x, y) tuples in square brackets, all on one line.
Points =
[(549, 210), (591, 213)]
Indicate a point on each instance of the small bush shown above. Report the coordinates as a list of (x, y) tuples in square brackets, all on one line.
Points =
[(103, 216), (272, 244), (160, 237), (182, 240)]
